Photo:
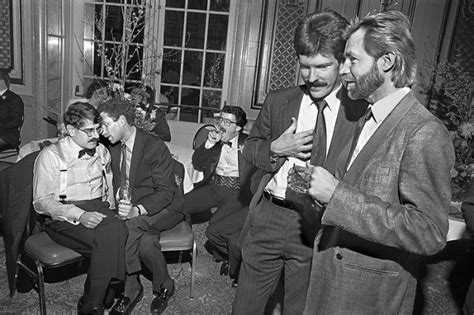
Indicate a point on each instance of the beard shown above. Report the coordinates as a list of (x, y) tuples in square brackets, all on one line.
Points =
[(366, 84)]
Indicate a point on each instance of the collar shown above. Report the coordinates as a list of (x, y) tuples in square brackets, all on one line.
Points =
[(3, 92), (131, 140), (331, 99), (382, 108), (73, 147)]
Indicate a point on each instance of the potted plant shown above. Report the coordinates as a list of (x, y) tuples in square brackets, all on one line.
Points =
[(450, 99)]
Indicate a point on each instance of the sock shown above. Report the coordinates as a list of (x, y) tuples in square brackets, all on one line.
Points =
[(96, 294), (132, 285)]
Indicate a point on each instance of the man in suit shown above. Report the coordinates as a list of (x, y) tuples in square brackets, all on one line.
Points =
[(387, 207), (11, 113), (226, 182), (144, 163), (284, 223)]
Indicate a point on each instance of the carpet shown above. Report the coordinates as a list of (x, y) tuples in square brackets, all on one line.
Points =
[(213, 293)]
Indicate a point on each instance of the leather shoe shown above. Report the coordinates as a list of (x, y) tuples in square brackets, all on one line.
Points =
[(224, 268), (160, 302), (234, 283), (97, 310), (125, 305)]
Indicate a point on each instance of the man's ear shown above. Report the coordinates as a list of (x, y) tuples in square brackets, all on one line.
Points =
[(387, 61), (70, 129), (123, 120)]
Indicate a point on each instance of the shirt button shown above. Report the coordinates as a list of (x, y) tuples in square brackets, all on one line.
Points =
[(338, 256)]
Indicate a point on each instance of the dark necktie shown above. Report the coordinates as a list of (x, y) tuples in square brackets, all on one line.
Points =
[(318, 152), (357, 132), (228, 143), (123, 167), (89, 152)]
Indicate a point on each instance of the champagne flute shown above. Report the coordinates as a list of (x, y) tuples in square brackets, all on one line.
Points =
[(124, 194)]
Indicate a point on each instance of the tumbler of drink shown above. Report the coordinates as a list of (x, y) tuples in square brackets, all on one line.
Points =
[(124, 195)]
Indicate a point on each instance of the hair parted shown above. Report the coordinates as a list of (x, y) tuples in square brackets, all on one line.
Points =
[(78, 112), (321, 33), (117, 107), (238, 112), (389, 32)]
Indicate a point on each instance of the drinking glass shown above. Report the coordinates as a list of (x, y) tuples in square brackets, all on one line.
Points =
[(124, 194)]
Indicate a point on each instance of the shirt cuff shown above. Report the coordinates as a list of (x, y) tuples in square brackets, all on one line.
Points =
[(209, 144), (74, 213), (142, 210)]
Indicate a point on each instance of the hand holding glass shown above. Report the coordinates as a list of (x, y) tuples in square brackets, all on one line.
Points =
[(124, 197)]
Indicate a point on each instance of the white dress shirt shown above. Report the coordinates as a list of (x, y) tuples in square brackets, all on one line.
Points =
[(85, 179), (228, 164), (380, 111), (306, 121)]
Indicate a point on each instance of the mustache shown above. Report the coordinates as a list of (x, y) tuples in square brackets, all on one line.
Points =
[(94, 140), (318, 84)]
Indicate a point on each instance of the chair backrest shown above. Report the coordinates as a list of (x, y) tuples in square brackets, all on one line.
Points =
[(201, 135)]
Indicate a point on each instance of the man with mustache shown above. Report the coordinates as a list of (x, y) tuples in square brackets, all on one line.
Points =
[(72, 186), (306, 124), (386, 207)]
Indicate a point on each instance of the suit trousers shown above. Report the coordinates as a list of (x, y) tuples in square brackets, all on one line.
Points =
[(272, 245), (104, 245), (228, 218), (143, 244)]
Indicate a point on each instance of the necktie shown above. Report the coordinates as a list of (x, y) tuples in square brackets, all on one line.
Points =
[(318, 152), (357, 132), (123, 167), (228, 143), (89, 152)]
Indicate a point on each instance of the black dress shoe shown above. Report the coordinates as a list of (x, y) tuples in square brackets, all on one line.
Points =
[(160, 302), (234, 283), (125, 305), (224, 268), (97, 310)]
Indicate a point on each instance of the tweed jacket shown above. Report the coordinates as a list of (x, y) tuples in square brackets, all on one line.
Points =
[(205, 160), (11, 115), (388, 211)]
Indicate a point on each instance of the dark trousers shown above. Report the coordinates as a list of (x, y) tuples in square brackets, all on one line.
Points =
[(143, 244), (228, 218), (273, 244), (104, 245)]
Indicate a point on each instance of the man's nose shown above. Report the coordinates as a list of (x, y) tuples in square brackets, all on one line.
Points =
[(344, 69)]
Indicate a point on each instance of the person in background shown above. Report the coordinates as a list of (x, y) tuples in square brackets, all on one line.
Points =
[(72, 186), (310, 123), (145, 97), (142, 162), (386, 208), (11, 113), (226, 182)]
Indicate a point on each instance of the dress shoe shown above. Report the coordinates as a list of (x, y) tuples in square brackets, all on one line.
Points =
[(234, 283), (224, 268), (97, 310), (125, 305), (160, 302)]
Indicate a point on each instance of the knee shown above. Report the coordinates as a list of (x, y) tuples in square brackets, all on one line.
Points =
[(148, 244)]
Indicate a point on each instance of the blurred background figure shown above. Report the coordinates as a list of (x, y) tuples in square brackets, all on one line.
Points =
[(11, 114)]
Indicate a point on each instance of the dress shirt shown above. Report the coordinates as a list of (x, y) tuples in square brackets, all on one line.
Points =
[(85, 180), (3, 92), (380, 111), (306, 121), (228, 164)]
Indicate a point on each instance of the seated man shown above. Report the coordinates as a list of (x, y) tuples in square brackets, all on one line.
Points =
[(11, 113), (145, 97), (72, 185), (226, 182), (143, 161)]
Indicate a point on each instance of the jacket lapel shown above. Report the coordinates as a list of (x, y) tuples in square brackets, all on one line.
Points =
[(137, 154), (384, 130), (115, 154)]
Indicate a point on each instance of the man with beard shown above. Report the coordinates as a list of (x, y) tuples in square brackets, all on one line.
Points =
[(72, 186), (310, 123), (387, 206)]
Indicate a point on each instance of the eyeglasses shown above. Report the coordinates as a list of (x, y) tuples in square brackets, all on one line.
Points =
[(224, 121), (90, 131)]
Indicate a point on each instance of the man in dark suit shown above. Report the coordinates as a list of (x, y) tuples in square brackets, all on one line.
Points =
[(226, 182), (387, 207), (11, 113), (283, 224), (144, 163)]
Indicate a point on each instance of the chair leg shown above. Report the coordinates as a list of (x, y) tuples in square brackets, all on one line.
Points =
[(41, 291), (193, 267), (15, 279)]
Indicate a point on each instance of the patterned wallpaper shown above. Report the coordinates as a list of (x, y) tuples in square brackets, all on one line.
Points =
[(6, 43), (463, 40)]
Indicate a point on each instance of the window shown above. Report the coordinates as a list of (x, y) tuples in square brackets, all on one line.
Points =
[(179, 47)]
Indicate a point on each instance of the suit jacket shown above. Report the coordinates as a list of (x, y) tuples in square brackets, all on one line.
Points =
[(151, 172), (389, 209), (275, 117), (11, 117), (206, 160)]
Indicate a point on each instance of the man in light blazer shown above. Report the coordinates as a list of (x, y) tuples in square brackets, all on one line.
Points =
[(387, 208), (145, 163), (283, 224)]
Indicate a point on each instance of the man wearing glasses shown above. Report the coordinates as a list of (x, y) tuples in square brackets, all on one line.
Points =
[(72, 186), (226, 182)]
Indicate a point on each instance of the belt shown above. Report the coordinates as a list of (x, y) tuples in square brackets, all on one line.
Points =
[(279, 201)]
